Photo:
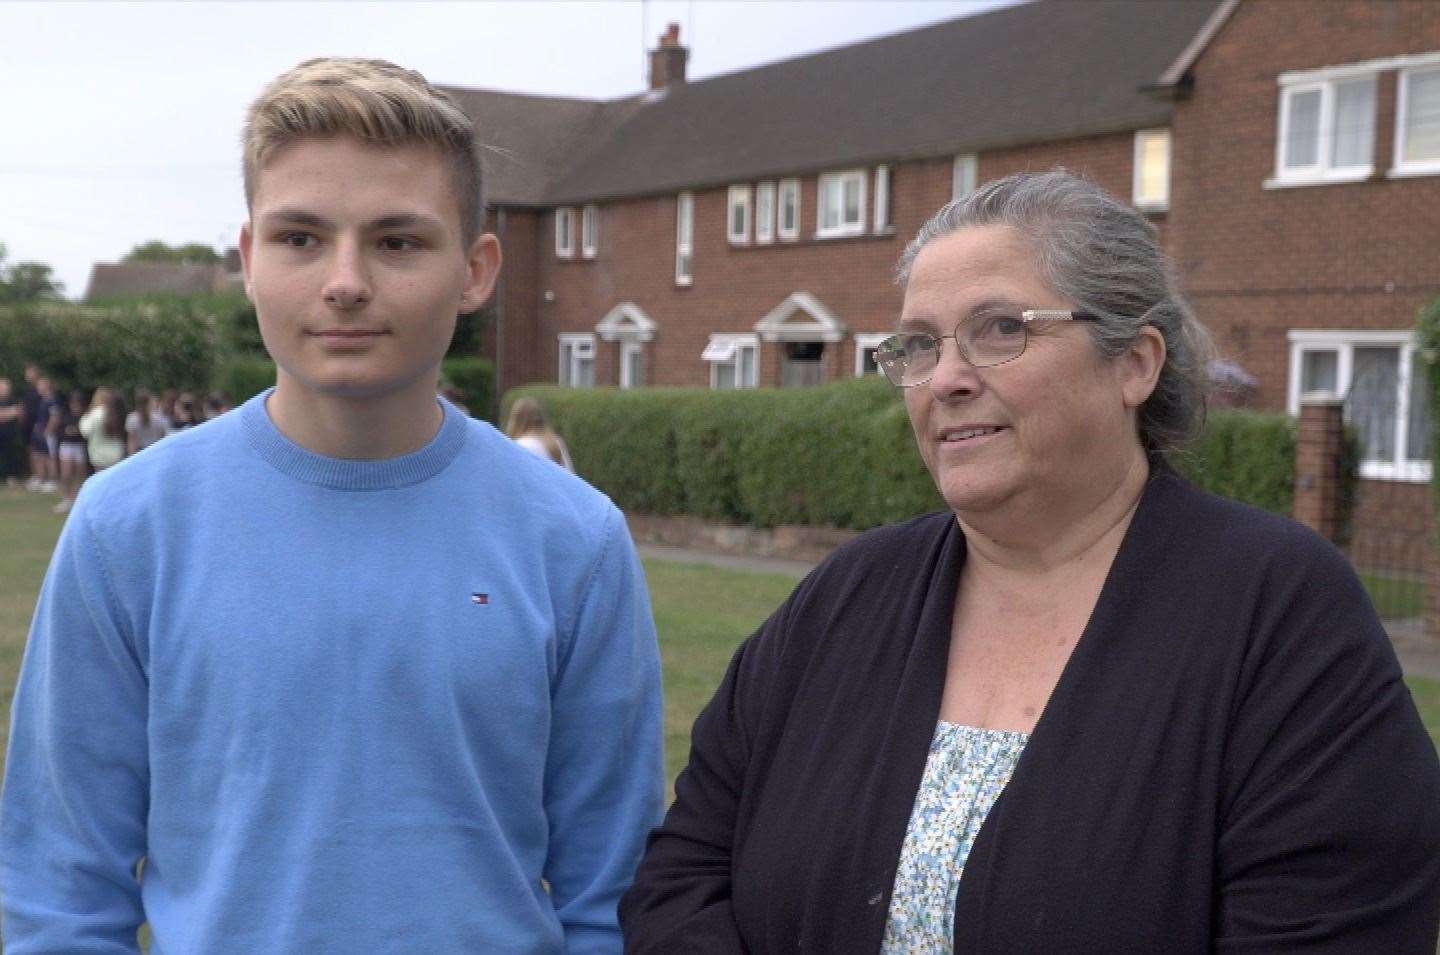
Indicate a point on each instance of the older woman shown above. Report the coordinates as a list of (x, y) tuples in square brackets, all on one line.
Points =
[(1088, 708)]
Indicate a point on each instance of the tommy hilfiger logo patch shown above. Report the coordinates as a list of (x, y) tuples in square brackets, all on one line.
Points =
[(479, 598)]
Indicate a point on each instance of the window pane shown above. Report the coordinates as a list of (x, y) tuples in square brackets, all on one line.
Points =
[(829, 203), (724, 374), (737, 219), (565, 356), (1373, 400), (585, 373), (1154, 168), (746, 359), (1417, 429), (852, 200), (1302, 142), (1354, 122), (1320, 371), (765, 211), (963, 177), (788, 195), (687, 220), (1422, 117)]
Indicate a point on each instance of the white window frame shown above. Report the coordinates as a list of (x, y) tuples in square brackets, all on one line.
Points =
[(731, 346), (628, 349), (838, 181), (1344, 343), (684, 238), (788, 192), (964, 176), (862, 342), (739, 198), (1161, 202), (589, 231), (882, 199), (764, 213), (1398, 167), (581, 348), (565, 232), (1323, 171)]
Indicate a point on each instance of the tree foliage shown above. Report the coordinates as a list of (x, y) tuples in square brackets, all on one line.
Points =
[(197, 253), (27, 282)]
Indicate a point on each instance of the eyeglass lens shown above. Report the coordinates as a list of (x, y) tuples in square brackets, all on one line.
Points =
[(984, 340)]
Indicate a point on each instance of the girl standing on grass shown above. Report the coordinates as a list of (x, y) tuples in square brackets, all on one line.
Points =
[(104, 428), (146, 424)]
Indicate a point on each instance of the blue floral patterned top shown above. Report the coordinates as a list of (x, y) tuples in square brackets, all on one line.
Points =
[(964, 774)]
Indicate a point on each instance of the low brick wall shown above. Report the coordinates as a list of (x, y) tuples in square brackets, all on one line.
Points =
[(791, 541)]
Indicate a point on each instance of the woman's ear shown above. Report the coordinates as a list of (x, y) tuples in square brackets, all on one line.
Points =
[(1140, 366)]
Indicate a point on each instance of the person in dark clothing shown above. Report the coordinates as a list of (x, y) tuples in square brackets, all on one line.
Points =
[(1088, 707), (44, 443), (12, 449)]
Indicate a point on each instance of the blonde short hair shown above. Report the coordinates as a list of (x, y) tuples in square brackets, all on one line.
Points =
[(374, 101)]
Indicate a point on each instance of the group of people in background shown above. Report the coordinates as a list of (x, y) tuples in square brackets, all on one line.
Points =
[(53, 441)]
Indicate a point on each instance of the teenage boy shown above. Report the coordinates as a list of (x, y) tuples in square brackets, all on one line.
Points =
[(343, 671)]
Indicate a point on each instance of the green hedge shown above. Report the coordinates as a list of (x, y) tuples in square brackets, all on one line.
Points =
[(126, 345), (475, 379), (840, 455), (1247, 455)]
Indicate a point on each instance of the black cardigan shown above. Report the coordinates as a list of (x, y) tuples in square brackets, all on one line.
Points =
[(1230, 761)]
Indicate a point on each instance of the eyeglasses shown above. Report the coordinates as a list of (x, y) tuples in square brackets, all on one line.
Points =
[(984, 339)]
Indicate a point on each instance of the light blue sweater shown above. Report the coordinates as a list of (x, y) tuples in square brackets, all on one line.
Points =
[(336, 706)]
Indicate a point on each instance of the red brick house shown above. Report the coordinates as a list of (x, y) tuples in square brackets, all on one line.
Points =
[(741, 230), (1305, 213)]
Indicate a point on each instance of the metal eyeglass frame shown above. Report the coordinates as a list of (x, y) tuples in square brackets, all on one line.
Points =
[(1027, 317)]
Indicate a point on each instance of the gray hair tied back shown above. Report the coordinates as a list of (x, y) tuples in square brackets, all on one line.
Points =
[(1104, 256)]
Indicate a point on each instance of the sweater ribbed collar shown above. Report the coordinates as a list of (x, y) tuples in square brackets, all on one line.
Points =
[(347, 475)]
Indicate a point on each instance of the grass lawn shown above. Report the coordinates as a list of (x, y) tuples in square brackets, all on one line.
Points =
[(702, 613), (1396, 598)]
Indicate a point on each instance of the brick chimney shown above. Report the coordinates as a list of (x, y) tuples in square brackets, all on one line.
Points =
[(667, 61)]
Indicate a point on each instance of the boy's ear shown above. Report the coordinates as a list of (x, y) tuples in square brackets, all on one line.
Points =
[(482, 264), (245, 252)]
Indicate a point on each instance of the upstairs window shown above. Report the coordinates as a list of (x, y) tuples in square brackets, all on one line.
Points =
[(684, 237), (565, 232), (589, 231), (737, 223), (789, 211), (842, 204), (1152, 169), (1327, 131), (1417, 122), (765, 212)]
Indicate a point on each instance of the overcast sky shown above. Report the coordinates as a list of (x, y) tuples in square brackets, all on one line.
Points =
[(120, 121)]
